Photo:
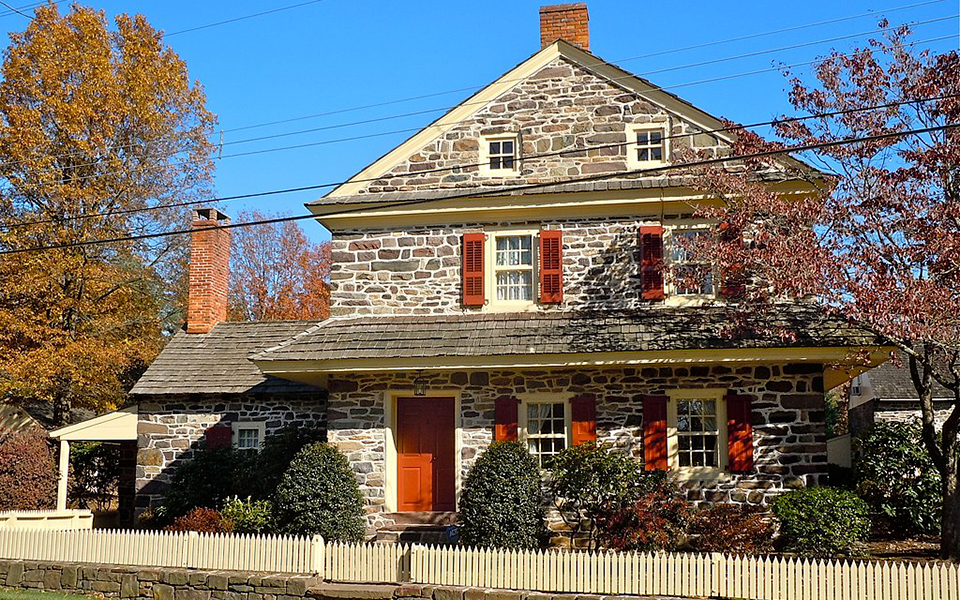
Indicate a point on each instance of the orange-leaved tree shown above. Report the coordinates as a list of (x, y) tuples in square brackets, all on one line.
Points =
[(92, 120), (277, 272)]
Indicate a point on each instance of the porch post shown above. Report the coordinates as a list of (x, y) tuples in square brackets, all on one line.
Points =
[(64, 470)]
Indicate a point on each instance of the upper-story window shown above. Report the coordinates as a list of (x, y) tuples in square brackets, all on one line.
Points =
[(691, 277), (500, 155), (648, 147), (513, 267)]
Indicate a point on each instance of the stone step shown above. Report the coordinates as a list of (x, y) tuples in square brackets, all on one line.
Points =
[(352, 591), (413, 534), (422, 517)]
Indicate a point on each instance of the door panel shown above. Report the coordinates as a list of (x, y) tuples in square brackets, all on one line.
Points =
[(426, 454)]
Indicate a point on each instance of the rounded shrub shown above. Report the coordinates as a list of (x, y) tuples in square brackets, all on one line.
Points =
[(501, 504), (318, 494), (822, 522), (28, 473), (897, 478)]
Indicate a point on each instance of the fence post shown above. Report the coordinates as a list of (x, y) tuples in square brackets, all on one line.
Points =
[(190, 556), (317, 553), (716, 573)]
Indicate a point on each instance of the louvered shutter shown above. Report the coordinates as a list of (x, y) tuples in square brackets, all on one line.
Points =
[(218, 436), (651, 262), (739, 433), (472, 269), (551, 267), (655, 433), (583, 417), (505, 418)]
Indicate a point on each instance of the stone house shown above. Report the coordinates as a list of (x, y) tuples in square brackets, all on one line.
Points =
[(887, 393), (500, 275)]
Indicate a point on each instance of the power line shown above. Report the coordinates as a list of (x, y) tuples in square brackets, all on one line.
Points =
[(470, 165), (435, 124), (243, 18), (467, 166), (15, 10), (500, 191)]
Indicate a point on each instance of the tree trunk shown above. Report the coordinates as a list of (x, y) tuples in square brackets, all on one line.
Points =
[(950, 519), (61, 410)]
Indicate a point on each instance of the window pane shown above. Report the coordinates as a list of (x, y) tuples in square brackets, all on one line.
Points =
[(507, 148), (656, 137), (508, 162), (642, 138), (657, 153), (494, 162), (494, 147)]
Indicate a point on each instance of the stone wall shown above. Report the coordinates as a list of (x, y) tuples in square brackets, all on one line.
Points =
[(788, 419), (562, 107), (152, 583), (169, 428), (897, 411), (416, 270)]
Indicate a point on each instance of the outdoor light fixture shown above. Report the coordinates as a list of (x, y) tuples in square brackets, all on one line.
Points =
[(420, 385)]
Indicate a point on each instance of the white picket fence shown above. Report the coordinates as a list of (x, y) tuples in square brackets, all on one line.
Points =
[(669, 574)]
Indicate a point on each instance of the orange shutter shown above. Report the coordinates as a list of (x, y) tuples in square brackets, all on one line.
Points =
[(583, 417), (505, 418), (551, 266), (655, 433), (472, 269), (651, 262), (739, 433)]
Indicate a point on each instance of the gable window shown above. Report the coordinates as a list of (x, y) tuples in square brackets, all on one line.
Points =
[(500, 155), (248, 435), (546, 430), (648, 147)]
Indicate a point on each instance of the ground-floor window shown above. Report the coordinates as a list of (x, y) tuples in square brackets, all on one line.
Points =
[(248, 435), (545, 429)]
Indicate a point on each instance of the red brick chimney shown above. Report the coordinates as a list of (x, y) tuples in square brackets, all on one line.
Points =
[(209, 270), (567, 21)]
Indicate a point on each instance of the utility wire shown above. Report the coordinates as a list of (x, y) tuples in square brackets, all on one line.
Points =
[(566, 152), (434, 124), (500, 191), (243, 18), (15, 10)]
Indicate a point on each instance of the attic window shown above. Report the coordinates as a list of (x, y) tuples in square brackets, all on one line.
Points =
[(648, 147), (500, 155)]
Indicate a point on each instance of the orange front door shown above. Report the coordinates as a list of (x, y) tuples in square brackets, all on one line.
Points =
[(425, 454)]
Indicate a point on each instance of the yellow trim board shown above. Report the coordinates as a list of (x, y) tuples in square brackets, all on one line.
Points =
[(306, 370), (113, 426)]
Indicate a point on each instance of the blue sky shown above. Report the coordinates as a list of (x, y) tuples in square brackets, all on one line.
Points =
[(334, 55)]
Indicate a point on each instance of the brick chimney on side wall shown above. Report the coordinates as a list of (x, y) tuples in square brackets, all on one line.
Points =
[(209, 270), (567, 21)]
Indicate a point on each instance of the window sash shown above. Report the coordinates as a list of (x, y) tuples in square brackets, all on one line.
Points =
[(682, 263), (650, 145), (546, 430), (513, 267), (698, 432), (248, 438), (502, 155)]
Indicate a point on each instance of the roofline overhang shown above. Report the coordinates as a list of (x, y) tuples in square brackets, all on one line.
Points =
[(119, 425), (308, 370)]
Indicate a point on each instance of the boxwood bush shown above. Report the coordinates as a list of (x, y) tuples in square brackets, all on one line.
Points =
[(822, 522), (318, 494), (501, 504)]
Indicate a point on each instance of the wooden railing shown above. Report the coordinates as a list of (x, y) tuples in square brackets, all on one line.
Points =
[(46, 519), (622, 573)]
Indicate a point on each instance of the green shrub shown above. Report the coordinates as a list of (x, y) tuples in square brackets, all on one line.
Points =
[(249, 516), (589, 480), (732, 528), (897, 478), (822, 522), (501, 504), (207, 479), (657, 520), (94, 473), (204, 520), (318, 494), (28, 472)]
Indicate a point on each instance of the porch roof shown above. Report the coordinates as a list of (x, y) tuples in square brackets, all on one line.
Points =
[(553, 333)]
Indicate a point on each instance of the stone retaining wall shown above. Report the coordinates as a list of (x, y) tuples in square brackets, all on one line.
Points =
[(153, 583)]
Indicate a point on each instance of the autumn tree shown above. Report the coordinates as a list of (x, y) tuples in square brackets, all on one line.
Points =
[(92, 120), (880, 241), (277, 272)]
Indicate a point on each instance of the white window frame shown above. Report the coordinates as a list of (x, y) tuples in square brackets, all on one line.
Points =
[(522, 418), (490, 272), (669, 281), (259, 426), (633, 161), (673, 442), (485, 155)]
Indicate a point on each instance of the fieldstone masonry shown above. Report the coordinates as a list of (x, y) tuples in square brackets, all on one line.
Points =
[(788, 419), (169, 429)]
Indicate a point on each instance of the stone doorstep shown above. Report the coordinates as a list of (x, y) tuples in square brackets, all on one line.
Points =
[(370, 591)]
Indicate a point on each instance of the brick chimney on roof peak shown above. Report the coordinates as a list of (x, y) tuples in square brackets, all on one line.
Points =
[(209, 270), (569, 22)]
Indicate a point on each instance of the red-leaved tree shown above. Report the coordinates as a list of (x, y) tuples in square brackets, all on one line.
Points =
[(880, 241), (277, 272)]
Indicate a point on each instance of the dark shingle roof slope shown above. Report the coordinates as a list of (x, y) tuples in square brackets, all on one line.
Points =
[(217, 362), (498, 334), (892, 382)]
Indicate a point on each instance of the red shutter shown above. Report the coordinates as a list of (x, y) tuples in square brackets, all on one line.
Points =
[(583, 416), (655, 433), (651, 262), (472, 269), (505, 418), (551, 266), (219, 436), (739, 433)]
